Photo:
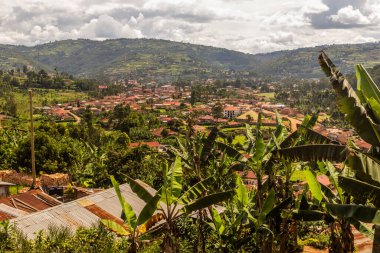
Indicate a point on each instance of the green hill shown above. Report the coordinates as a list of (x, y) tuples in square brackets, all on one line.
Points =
[(166, 60)]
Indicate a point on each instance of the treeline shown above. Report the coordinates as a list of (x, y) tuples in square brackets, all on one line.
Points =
[(30, 78), (88, 153)]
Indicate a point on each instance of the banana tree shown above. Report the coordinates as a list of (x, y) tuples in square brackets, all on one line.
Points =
[(134, 225), (361, 110), (242, 226), (175, 201)]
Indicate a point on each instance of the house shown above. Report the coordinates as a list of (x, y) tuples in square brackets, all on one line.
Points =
[(151, 144), (4, 189), (231, 112), (83, 212), (206, 119), (24, 203), (252, 115)]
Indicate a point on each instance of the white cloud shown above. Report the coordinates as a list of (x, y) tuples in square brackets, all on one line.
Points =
[(105, 27), (348, 15), (247, 25)]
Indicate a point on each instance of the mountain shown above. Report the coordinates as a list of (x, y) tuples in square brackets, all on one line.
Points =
[(167, 60)]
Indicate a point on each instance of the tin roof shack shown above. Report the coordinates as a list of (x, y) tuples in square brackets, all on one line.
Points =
[(4, 189), (83, 212)]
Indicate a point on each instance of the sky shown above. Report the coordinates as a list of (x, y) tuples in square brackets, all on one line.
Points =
[(250, 26)]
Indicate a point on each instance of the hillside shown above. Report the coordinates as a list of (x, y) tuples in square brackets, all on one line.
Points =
[(167, 60)]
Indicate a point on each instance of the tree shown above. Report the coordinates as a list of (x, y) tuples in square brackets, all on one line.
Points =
[(217, 110), (362, 112)]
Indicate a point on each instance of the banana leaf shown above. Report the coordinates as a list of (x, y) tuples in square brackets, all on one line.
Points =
[(349, 103), (115, 227), (277, 209), (130, 215), (148, 210), (175, 178), (207, 201), (196, 190), (209, 144), (360, 190), (314, 152), (139, 189), (358, 212), (366, 87), (267, 206), (362, 228), (309, 215), (366, 167), (217, 221), (314, 185), (241, 192), (230, 151)]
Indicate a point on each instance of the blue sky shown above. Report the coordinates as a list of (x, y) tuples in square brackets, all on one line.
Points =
[(251, 26)]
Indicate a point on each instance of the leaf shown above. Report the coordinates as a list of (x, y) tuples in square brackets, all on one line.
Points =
[(151, 222), (375, 108), (361, 213), (259, 143), (209, 144), (277, 209), (139, 189), (115, 227), (127, 209), (311, 137), (217, 221), (366, 85), (196, 190), (208, 200), (241, 192), (360, 190), (230, 151), (314, 185), (362, 228), (175, 179), (313, 152), (366, 167), (309, 215), (350, 104), (334, 178), (148, 210), (267, 206)]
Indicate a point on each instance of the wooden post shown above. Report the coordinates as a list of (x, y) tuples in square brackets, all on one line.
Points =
[(32, 151)]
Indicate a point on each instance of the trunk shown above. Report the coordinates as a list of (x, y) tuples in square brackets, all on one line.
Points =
[(201, 232), (341, 237), (133, 247), (170, 243), (376, 240)]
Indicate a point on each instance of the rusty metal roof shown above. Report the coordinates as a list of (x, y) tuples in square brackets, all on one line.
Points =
[(30, 201), (5, 216), (83, 212)]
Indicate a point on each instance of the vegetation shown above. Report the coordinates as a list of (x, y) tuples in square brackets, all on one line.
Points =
[(202, 203), (167, 60)]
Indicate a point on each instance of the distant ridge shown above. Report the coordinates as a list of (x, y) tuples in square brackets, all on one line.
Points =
[(167, 60)]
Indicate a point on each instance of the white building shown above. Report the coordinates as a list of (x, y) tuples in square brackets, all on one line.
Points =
[(231, 112)]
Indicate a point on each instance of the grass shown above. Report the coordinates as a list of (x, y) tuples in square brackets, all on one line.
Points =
[(41, 96), (239, 139), (14, 189), (267, 95)]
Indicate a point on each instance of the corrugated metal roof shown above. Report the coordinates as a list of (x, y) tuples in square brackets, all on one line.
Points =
[(5, 216), (83, 212), (14, 212), (30, 201), (5, 184)]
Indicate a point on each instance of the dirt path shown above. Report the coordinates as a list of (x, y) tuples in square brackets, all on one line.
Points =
[(77, 118)]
